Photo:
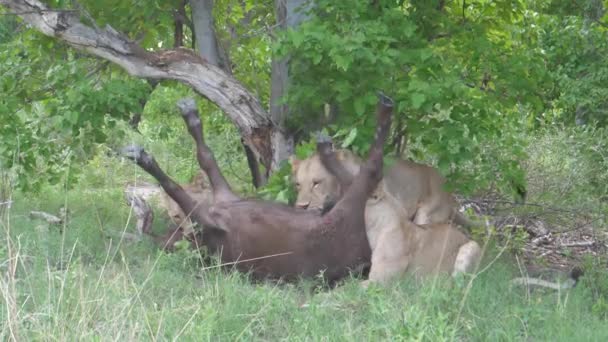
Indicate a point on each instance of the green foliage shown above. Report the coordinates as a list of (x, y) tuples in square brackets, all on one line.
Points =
[(460, 85), (151, 22), (470, 79), (243, 31), (46, 126), (280, 187), (60, 108), (596, 280), (575, 51)]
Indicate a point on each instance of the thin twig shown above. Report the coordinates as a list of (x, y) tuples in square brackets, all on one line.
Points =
[(579, 244), (97, 69), (580, 225), (246, 260), (40, 11), (539, 205)]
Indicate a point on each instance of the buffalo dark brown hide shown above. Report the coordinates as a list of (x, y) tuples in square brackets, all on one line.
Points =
[(273, 240)]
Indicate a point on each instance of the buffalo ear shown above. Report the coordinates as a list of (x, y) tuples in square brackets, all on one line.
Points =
[(295, 163)]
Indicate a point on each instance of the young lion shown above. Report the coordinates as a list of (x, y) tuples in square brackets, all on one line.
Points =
[(400, 246)]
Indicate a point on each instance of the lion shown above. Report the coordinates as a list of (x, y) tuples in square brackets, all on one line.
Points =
[(400, 246), (408, 217), (418, 188)]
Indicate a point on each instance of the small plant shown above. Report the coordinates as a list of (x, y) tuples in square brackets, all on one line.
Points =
[(280, 186), (596, 280)]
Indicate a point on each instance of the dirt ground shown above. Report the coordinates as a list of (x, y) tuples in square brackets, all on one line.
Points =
[(544, 238)]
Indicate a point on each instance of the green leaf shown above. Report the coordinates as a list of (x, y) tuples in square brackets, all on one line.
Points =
[(417, 100), (316, 58), (342, 62), (282, 196), (297, 38), (359, 104), (350, 138), (72, 116)]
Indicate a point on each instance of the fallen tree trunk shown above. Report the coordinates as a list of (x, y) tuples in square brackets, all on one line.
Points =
[(183, 65)]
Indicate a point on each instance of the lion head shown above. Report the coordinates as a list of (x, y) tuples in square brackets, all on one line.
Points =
[(317, 188)]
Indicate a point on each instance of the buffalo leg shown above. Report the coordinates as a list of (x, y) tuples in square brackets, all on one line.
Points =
[(370, 172), (331, 163), (174, 190), (221, 189)]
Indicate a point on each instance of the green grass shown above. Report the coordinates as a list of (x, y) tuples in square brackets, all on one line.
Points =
[(76, 284)]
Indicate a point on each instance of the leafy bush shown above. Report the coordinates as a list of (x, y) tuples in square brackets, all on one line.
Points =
[(449, 109)]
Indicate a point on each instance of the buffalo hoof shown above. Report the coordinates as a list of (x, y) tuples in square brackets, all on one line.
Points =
[(385, 100), (139, 155), (189, 112), (133, 152), (324, 143), (322, 138), (186, 105)]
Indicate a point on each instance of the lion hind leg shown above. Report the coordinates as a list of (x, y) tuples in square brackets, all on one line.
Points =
[(467, 258), (422, 216)]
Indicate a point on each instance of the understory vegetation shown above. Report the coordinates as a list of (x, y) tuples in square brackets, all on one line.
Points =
[(507, 99), (81, 280)]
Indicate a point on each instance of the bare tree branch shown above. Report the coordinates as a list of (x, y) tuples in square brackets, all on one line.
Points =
[(181, 64)]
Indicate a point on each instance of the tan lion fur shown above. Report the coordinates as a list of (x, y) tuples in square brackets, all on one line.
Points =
[(198, 189), (400, 246), (419, 189), (408, 217)]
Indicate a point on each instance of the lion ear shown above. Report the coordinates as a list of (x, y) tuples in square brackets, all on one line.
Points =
[(200, 179), (295, 163)]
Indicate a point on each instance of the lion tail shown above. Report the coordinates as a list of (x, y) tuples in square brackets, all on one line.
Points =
[(569, 283)]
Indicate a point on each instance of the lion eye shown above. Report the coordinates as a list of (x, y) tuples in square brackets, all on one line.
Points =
[(297, 185), (315, 183)]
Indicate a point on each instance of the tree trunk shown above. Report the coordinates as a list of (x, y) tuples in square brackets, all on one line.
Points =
[(179, 18), (244, 109), (206, 41), (209, 48), (289, 14)]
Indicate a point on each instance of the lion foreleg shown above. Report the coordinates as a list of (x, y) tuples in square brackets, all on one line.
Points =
[(390, 257)]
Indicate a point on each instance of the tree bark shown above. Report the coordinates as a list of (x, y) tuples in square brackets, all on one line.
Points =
[(244, 109), (179, 17), (209, 48), (206, 40), (289, 14)]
